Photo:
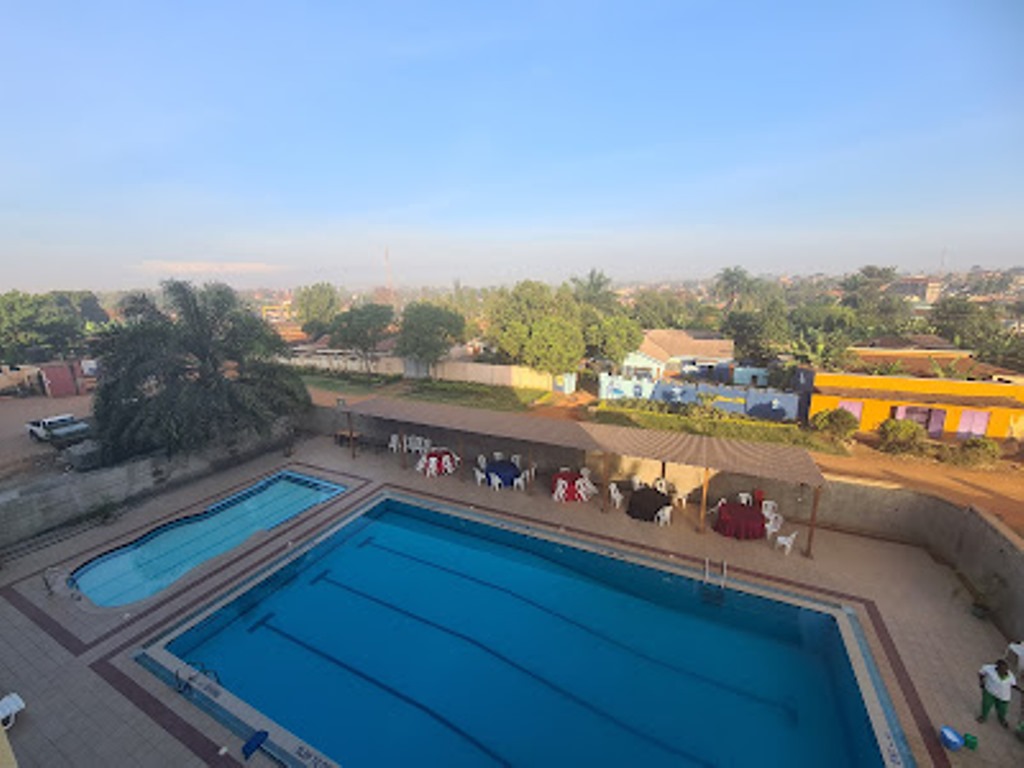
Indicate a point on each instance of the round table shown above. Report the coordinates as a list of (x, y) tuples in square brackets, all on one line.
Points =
[(740, 521), (644, 503), (506, 471), (436, 456), (571, 493)]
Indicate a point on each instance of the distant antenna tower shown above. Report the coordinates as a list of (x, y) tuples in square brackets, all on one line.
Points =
[(391, 281)]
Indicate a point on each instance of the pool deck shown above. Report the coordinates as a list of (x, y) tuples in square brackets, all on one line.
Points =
[(88, 703)]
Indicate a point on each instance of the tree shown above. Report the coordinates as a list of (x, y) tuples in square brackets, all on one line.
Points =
[(759, 335), (428, 331), (658, 309), (732, 284), (964, 322), (316, 306), (363, 329), (36, 327), (619, 335), (595, 290), (555, 345), (201, 372), (535, 326)]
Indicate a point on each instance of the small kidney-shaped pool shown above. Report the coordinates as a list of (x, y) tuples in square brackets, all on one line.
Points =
[(152, 562)]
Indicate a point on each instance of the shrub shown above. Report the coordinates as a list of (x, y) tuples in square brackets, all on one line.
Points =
[(901, 436), (979, 450), (839, 424)]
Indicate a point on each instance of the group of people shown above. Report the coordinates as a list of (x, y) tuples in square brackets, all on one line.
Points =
[(997, 682)]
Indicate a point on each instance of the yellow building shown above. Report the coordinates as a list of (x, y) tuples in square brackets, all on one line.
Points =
[(943, 406)]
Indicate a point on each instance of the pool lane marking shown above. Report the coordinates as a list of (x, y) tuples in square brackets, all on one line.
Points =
[(787, 710), (264, 623), (324, 577)]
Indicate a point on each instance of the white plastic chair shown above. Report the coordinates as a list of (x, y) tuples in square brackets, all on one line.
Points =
[(519, 483), (769, 508), (660, 485), (663, 516), (481, 461), (394, 443), (745, 498), (425, 444), (495, 480), (773, 526), (583, 489), (637, 482), (616, 495), (516, 459), (10, 706), (786, 542), (448, 464), (481, 478), (561, 488), (431, 465)]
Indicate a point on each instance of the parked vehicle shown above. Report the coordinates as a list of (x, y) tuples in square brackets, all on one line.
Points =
[(59, 431)]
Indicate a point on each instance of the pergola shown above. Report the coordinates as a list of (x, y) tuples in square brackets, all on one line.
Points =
[(787, 463)]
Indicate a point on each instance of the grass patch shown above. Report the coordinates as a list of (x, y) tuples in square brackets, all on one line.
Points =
[(349, 384), (739, 428), (473, 395)]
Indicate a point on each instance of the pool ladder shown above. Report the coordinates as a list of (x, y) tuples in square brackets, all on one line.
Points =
[(708, 591), (184, 684)]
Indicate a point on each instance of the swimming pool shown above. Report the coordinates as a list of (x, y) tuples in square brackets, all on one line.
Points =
[(412, 636), (154, 561)]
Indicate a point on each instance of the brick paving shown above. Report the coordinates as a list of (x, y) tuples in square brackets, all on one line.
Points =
[(90, 704)]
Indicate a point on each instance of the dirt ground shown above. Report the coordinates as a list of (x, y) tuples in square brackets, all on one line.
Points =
[(17, 450)]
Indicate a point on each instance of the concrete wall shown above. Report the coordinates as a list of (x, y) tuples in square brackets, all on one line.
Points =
[(988, 556), (59, 500), (480, 373)]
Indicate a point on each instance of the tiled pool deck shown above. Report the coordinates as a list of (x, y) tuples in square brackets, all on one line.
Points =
[(89, 704)]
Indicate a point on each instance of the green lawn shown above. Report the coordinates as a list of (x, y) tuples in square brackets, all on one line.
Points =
[(474, 395), (345, 386)]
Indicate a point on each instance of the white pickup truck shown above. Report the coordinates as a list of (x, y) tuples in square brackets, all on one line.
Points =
[(59, 430)]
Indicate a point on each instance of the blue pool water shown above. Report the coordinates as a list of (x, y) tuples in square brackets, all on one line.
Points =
[(412, 637), (149, 564)]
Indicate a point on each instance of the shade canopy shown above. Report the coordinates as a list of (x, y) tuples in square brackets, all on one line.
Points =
[(776, 461)]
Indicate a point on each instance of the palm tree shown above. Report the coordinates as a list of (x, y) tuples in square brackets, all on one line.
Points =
[(199, 372), (731, 284)]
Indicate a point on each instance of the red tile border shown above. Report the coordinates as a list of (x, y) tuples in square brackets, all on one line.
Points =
[(195, 740)]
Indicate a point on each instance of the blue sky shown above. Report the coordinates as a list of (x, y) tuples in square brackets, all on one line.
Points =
[(277, 144)]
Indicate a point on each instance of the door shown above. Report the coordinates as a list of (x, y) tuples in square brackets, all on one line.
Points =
[(972, 423)]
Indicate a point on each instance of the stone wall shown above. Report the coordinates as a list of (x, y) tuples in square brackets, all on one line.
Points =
[(55, 501)]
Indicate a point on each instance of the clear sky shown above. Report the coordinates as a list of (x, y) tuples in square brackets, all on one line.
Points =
[(281, 143)]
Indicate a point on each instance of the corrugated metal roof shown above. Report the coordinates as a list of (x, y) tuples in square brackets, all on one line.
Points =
[(907, 396), (771, 460)]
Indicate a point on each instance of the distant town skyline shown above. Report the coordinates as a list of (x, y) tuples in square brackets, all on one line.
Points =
[(278, 145)]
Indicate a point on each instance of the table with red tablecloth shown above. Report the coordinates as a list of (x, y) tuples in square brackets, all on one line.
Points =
[(741, 521), (571, 494), (436, 456)]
